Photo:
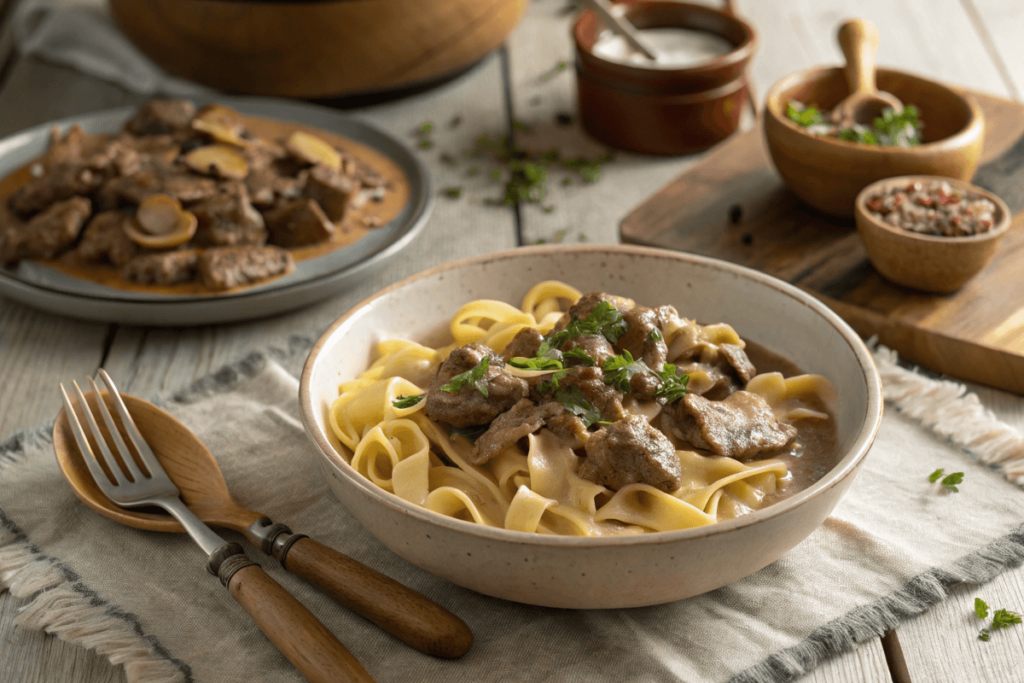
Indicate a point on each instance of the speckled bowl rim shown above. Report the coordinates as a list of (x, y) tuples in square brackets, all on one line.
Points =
[(847, 466), (977, 119), (997, 231)]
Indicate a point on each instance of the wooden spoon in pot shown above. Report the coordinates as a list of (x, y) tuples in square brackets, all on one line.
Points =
[(397, 609), (859, 40)]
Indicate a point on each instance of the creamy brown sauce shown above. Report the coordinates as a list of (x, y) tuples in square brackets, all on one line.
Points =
[(815, 450), (350, 230)]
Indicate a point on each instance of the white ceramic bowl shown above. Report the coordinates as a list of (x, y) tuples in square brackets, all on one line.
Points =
[(587, 573)]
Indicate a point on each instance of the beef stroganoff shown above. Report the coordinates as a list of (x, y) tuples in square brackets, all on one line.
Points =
[(585, 415)]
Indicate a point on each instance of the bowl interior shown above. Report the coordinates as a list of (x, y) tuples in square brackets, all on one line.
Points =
[(942, 111), (759, 307)]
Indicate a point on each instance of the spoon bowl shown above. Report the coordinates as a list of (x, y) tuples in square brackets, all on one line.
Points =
[(859, 41)]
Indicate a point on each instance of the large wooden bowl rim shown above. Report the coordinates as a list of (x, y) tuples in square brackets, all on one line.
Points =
[(774, 108), (1002, 224)]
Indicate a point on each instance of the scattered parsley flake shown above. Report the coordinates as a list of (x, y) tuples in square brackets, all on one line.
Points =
[(548, 209), (552, 384), (1001, 618), (453, 192), (619, 370), (560, 235), (548, 75), (526, 184), (426, 127), (567, 181), (473, 171), (535, 363), (936, 475), (574, 401), (580, 355), (403, 402), (473, 377), (950, 481), (519, 125), (980, 608), (425, 144), (495, 174), (449, 159)]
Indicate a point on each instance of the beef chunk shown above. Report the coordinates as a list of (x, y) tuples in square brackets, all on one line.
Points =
[(162, 268), (104, 239), (641, 322), (135, 188), (631, 451), (583, 307), (162, 117), (741, 426), (260, 154), (298, 223), (156, 152), (570, 429), (595, 345), (267, 188), (606, 398), (522, 419), (188, 188), (365, 174), (468, 406), (737, 358), (644, 385), (524, 344), (331, 190), (227, 267), (61, 183), (47, 233), (228, 219)]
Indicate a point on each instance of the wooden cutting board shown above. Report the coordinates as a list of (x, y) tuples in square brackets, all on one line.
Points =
[(733, 206)]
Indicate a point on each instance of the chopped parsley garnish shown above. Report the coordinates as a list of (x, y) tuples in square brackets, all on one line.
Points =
[(1001, 618), (551, 385), (899, 128), (474, 377), (473, 170), (808, 116), (580, 355), (453, 192), (536, 363), (495, 174), (604, 319), (449, 159), (426, 127), (655, 335), (619, 370), (527, 183), (426, 144), (574, 401), (864, 137), (403, 402), (949, 481), (589, 169), (673, 386), (519, 125), (548, 75), (470, 434)]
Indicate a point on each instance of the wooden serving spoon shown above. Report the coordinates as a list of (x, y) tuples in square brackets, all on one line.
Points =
[(397, 609), (859, 41)]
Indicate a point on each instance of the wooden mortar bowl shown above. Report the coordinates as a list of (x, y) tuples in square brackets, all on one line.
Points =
[(927, 263), (315, 49), (829, 173)]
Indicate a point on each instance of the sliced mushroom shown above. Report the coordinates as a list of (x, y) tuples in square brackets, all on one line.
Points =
[(161, 223), (221, 123), (219, 160), (313, 150)]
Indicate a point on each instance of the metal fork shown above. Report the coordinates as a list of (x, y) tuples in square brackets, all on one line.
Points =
[(307, 643)]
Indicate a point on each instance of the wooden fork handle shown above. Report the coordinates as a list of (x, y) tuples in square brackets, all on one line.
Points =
[(399, 610), (315, 652)]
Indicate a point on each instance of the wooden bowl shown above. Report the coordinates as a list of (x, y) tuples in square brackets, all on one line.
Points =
[(664, 110), (927, 262), (315, 49), (613, 571), (829, 173)]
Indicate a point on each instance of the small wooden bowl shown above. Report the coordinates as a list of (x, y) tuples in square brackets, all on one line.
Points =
[(927, 262), (664, 110), (828, 173)]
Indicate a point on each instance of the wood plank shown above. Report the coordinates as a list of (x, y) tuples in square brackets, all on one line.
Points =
[(1001, 23)]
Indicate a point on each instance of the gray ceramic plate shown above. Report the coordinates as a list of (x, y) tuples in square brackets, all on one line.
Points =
[(312, 280)]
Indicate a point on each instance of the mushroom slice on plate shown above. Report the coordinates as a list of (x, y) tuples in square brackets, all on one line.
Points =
[(219, 160), (313, 150), (221, 123), (161, 223)]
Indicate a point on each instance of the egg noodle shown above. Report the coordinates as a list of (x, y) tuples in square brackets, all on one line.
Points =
[(405, 453)]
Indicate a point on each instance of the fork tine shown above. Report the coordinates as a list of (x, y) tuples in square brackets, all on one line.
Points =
[(145, 452), (119, 445), (108, 457), (102, 480)]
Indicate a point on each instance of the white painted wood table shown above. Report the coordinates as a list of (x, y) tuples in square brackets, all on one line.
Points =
[(968, 42)]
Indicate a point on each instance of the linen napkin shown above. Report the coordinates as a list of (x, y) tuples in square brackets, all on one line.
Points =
[(894, 546)]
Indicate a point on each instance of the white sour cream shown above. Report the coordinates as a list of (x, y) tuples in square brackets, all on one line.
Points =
[(676, 47)]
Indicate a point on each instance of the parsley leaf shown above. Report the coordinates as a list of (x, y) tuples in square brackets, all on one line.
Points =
[(403, 402), (474, 377), (951, 480), (864, 137), (470, 434), (1004, 619), (536, 363), (980, 608), (574, 401), (902, 128), (580, 355), (936, 475), (619, 370), (551, 385), (808, 116), (673, 386), (655, 335), (453, 192), (603, 319), (426, 127)]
